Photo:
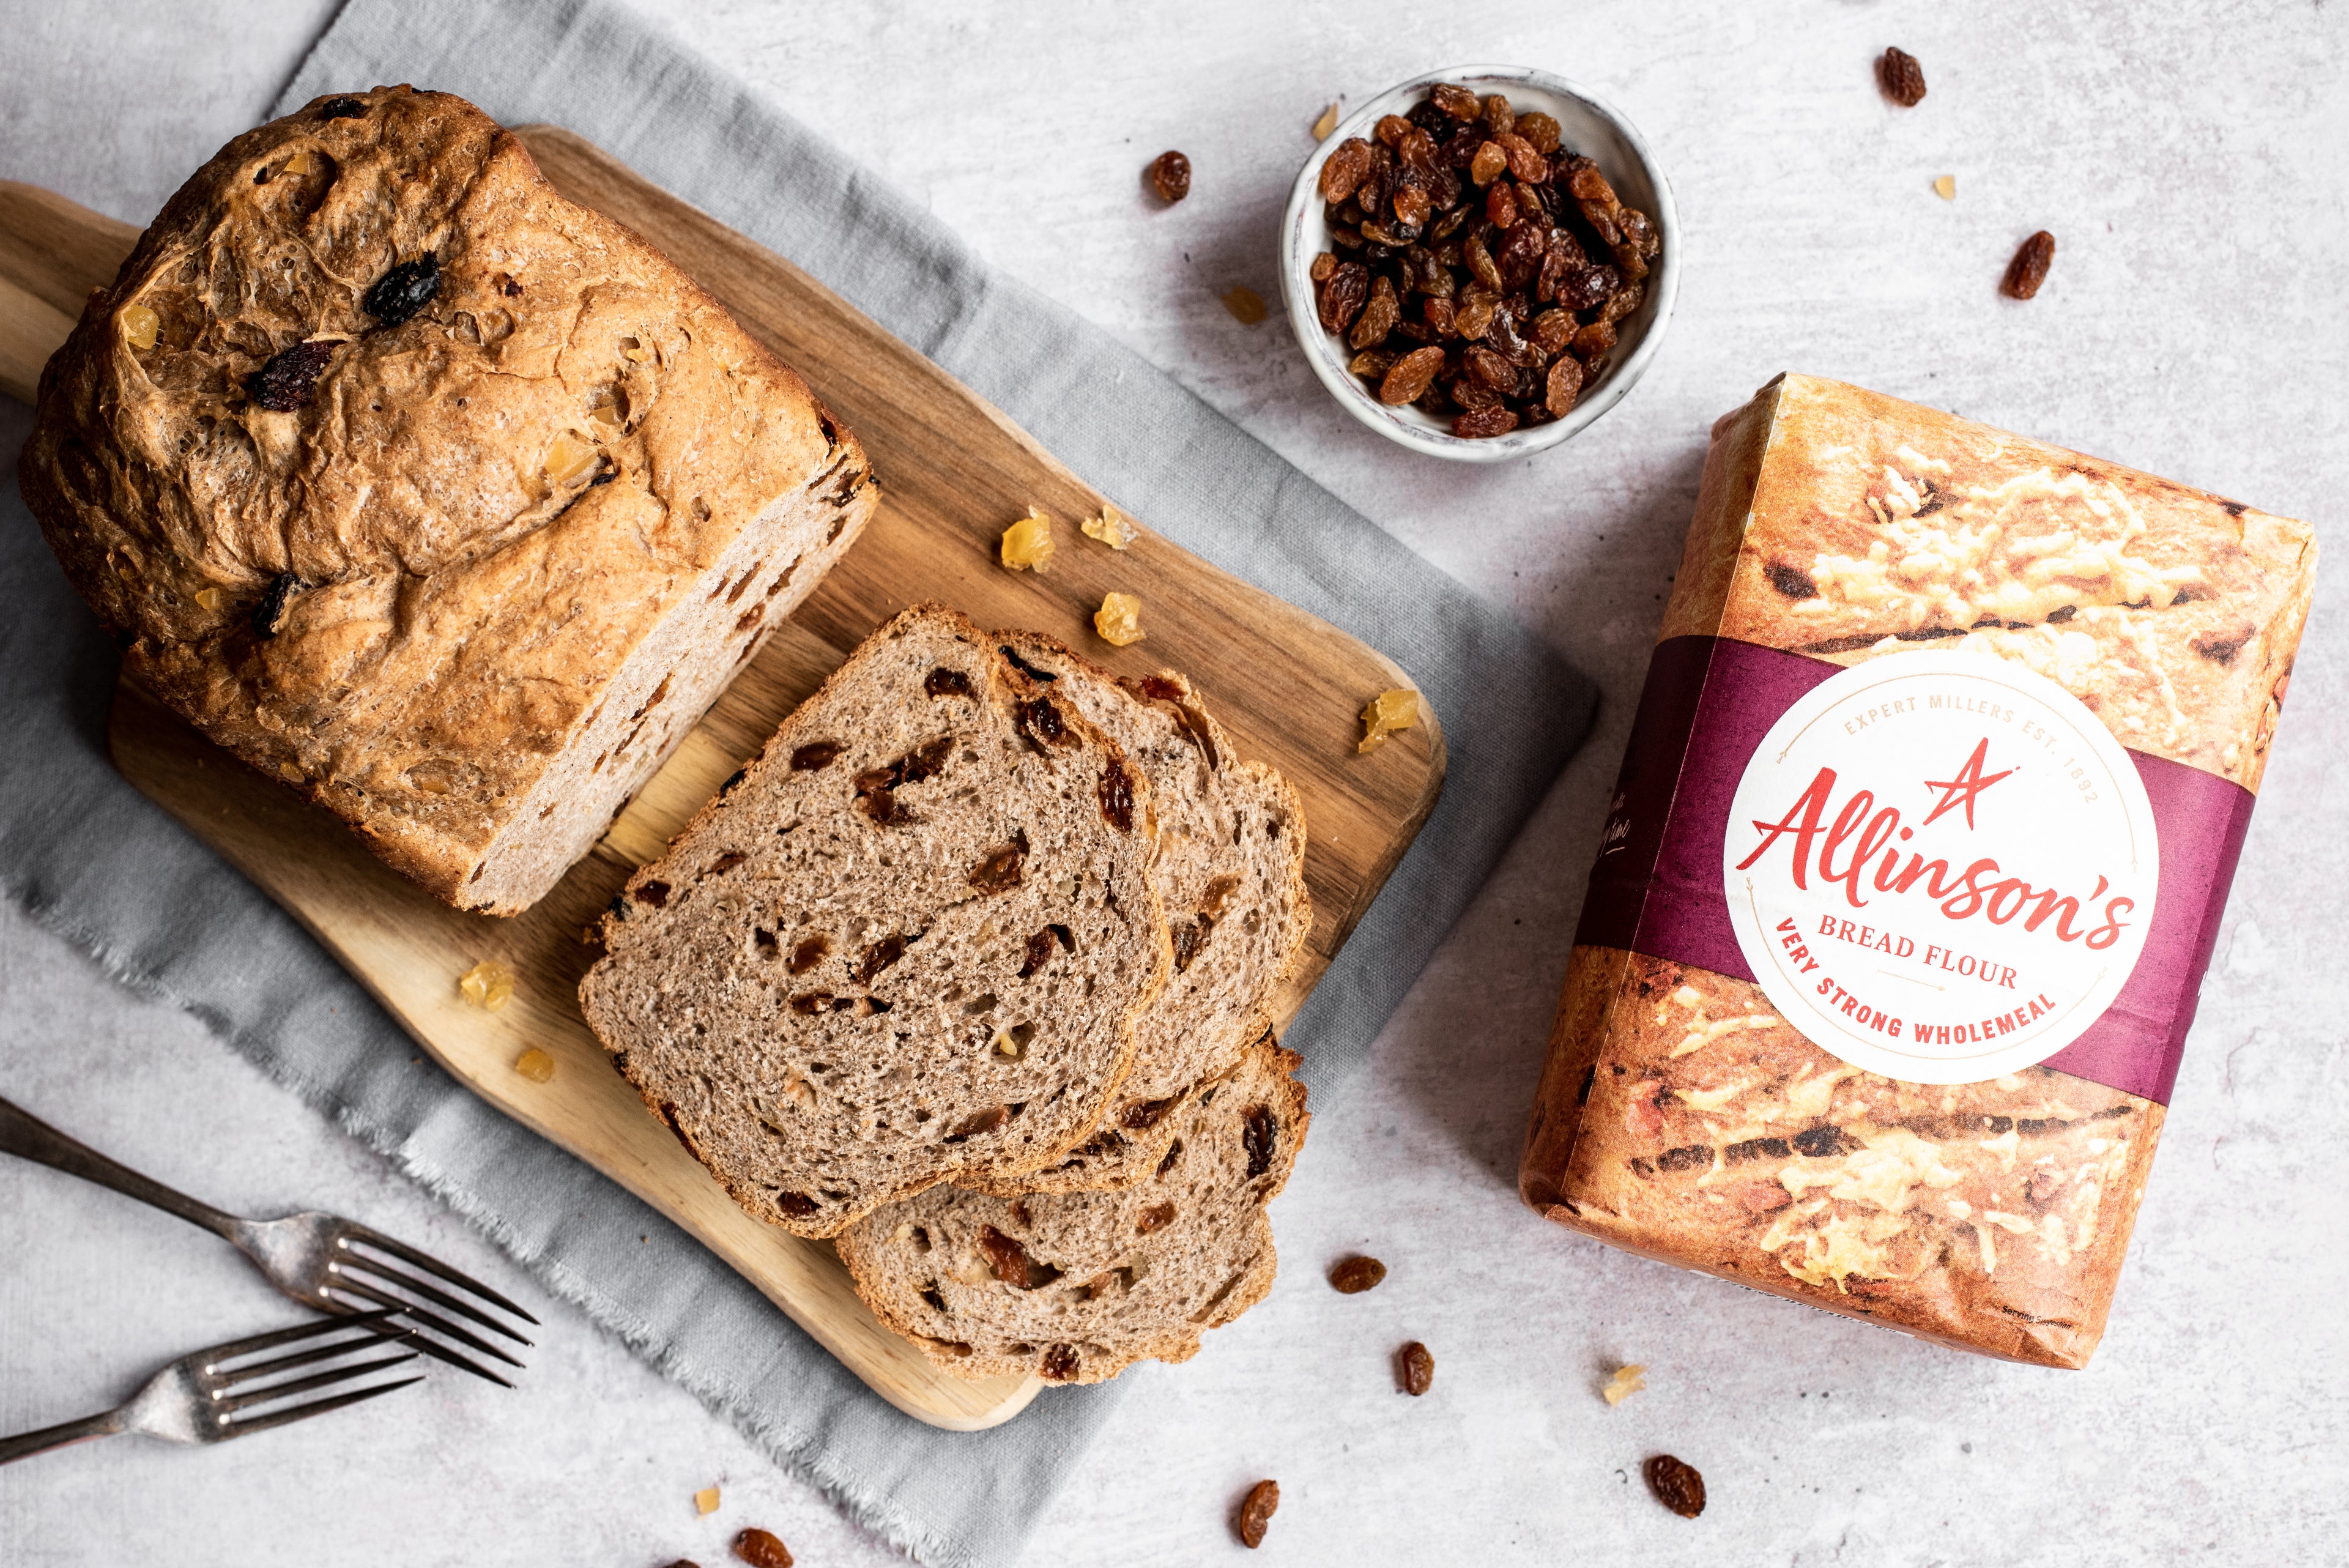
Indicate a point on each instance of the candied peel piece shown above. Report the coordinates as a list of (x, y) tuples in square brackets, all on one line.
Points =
[(139, 323), (568, 459), (1627, 1381), (1027, 543), (488, 985), (1112, 528), (1388, 712), (1326, 124), (706, 1500), (1246, 304), (536, 1065), (1119, 619)]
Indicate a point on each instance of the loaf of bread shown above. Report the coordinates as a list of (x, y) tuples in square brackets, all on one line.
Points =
[(1230, 872), (1075, 1286), (909, 943), (447, 501), (1679, 1115)]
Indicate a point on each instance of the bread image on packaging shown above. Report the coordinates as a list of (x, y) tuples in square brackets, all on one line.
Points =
[(1075, 1286), (1230, 872), (909, 943), (1916, 859), (448, 502)]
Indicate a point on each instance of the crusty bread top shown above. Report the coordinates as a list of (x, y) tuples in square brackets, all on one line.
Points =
[(1845, 524), (451, 609)]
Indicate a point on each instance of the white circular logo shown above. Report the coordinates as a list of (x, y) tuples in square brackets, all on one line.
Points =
[(1941, 866)]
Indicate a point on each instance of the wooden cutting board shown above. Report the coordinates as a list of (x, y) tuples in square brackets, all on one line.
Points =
[(954, 473)]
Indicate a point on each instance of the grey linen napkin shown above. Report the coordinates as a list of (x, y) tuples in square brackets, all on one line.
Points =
[(93, 860)]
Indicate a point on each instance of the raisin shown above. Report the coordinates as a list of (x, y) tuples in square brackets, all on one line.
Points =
[(1188, 937), (287, 382), (1159, 689), (1256, 1509), (1489, 163), (797, 1205), (403, 291), (1260, 1137), (1541, 130), (1585, 287), (878, 957), (1523, 162), (1474, 424), (1414, 1369), (1411, 376), (1676, 1485), (1791, 581), (1902, 77), (1142, 1114), (1378, 316), (342, 108), (1501, 205), (1117, 795), (1041, 723), (761, 1548), (1157, 1216), (1475, 316), (1342, 171), (269, 615), (1563, 386), (980, 1122), (1170, 176), (1392, 128), (1456, 101), (939, 683), (1499, 119), (655, 893), (2028, 270), (1592, 341), (1488, 368), (1011, 1263), (1000, 872), (1552, 330), (1323, 266), (1059, 1363), (1353, 1275), (1038, 955), (1341, 297), (1410, 203), (1441, 319), (806, 955), (815, 755)]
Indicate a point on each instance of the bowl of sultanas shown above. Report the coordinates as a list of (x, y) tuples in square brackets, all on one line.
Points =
[(1480, 262)]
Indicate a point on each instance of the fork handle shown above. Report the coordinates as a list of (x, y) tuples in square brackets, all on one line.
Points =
[(26, 1135), (27, 1444)]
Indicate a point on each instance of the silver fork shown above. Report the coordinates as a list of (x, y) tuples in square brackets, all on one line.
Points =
[(196, 1398), (325, 1262)]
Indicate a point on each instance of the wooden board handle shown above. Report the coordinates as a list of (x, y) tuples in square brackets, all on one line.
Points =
[(53, 253)]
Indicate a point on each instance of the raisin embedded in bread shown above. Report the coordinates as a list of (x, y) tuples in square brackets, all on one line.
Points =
[(445, 500), (909, 943), (1231, 874), (1076, 1286)]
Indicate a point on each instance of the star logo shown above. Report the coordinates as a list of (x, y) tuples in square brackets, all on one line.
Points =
[(1960, 791)]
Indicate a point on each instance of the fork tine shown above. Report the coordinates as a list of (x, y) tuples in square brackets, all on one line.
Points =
[(369, 1320), (316, 1407), (439, 1298), (432, 1347), (303, 1358), (408, 1254), (303, 1385), (417, 1315)]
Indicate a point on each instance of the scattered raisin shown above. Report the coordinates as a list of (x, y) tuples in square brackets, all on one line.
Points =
[(1157, 1216), (403, 291), (1140, 1115), (1676, 1485), (815, 755), (1059, 1363), (761, 1548), (1356, 1274), (655, 893), (1259, 1130), (1188, 937), (2028, 270), (877, 957), (999, 871), (269, 615), (1170, 176), (286, 382), (1010, 1260), (940, 682), (1257, 1510), (1903, 78), (1415, 1368), (810, 953), (342, 108), (980, 1122), (1041, 723), (1038, 955), (1117, 795)]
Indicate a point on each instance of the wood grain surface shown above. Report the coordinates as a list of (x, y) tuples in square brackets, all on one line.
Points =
[(954, 472)]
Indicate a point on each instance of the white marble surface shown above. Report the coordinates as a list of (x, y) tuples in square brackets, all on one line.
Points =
[(2188, 163)]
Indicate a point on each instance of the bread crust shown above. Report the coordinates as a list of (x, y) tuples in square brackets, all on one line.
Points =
[(1679, 1114), (477, 530)]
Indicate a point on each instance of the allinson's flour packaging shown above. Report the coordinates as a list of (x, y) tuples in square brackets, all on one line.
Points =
[(1916, 859)]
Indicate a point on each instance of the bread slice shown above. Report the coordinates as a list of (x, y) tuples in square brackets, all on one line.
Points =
[(908, 942), (447, 501), (1076, 1286), (1231, 874)]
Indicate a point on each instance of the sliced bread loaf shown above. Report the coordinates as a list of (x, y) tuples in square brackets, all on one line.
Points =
[(908, 942), (1230, 871), (1076, 1286)]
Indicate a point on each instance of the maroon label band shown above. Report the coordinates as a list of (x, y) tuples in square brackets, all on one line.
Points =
[(1657, 887)]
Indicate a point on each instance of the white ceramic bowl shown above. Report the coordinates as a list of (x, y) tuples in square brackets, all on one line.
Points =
[(1587, 125)]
